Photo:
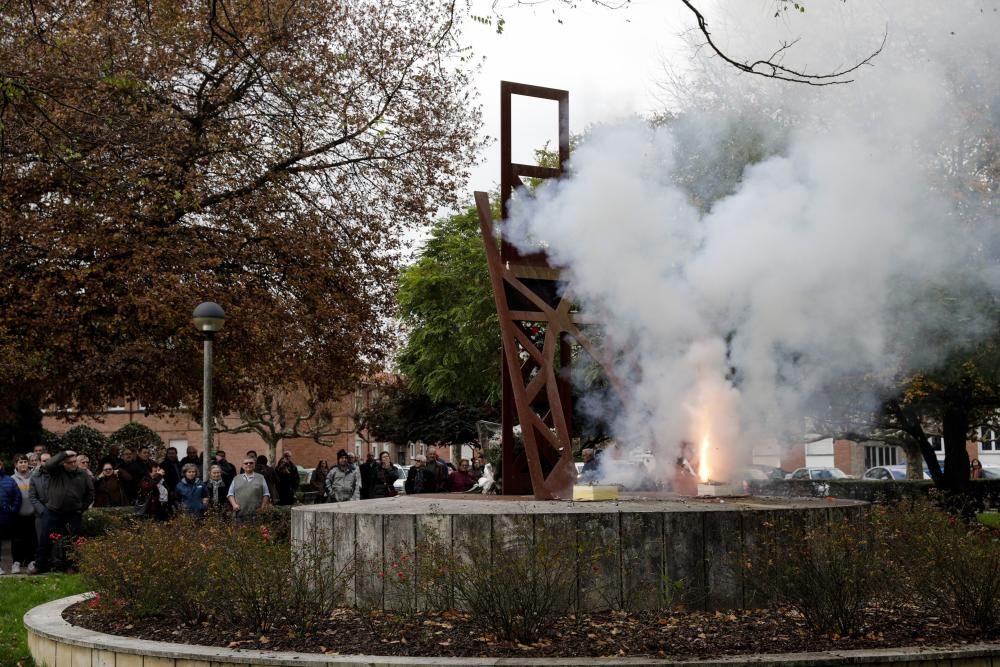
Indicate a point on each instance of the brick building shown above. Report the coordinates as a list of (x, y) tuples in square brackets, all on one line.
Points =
[(180, 429)]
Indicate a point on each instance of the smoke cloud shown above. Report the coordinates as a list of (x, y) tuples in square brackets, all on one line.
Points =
[(772, 239)]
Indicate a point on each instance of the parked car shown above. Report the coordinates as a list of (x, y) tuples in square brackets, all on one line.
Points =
[(400, 483), (770, 472), (818, 474), (887, 473), (991, 472)]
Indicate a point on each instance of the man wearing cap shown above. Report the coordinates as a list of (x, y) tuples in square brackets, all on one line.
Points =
[(343, 483), (420, 479), (70, 493)]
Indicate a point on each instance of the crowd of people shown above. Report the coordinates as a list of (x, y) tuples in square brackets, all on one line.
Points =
[(43, 499), (376, 478)]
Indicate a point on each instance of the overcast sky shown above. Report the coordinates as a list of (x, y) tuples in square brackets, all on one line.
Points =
[(608, 60)]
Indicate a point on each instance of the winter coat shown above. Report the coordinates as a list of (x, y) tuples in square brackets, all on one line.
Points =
[(267, 472), (441, 471), (171, 473), (217, 493), (288, 482), (343, 484), (382, 480), (109, 492), (460, 482), (420, 480), (10, 500), (68, 491), (38, 490), (229, 472), (318, 483), (190, 496)]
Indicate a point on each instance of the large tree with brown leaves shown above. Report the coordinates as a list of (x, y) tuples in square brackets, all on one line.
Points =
[(265, 154)]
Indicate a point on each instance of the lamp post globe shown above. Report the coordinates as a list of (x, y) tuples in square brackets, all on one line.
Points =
[(208, 319)]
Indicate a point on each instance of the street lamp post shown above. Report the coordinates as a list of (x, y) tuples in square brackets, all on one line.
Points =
[(208, 319)]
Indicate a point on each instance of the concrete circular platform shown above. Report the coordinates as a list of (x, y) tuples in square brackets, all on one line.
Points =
[(648, 541), (53, 643)]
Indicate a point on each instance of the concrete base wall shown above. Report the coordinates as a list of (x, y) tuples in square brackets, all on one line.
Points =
[(646, 545)]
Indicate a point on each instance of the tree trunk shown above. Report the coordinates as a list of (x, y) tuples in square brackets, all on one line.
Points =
[(955, 429), (914, 458)]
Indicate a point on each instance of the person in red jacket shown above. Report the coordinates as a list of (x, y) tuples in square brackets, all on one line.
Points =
[(460, 480)]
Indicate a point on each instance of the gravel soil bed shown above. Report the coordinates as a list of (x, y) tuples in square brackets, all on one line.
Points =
[(678, 634)]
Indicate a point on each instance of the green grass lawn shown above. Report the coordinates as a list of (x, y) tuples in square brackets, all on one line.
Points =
[(991, 519), (18, 595)]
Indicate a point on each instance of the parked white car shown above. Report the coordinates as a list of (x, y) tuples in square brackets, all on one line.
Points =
[(400, 483), (818, 474)]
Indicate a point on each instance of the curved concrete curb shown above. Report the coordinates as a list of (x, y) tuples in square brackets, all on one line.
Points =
[(55, 643)]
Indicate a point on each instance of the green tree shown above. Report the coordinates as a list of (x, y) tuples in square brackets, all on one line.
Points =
[(402, 415), (134, 435), (452, 353), (87, 440)]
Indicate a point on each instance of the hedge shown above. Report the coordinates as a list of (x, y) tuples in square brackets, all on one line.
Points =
[(984, 492)]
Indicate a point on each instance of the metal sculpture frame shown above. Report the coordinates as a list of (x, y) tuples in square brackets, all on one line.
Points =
[(534, 307)]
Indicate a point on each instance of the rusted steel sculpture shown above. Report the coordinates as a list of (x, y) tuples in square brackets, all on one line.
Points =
[(538, 326)]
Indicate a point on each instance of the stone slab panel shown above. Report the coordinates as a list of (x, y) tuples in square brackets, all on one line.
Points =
[(642, 565), (81, 656), (557, 534), (723, 550), (46, 655), (344, 539), (64, 655), (153, 661), (432, 555), (684, 555), (599, 567), (370, 561), (471, 537), (106, 659), (399, 538)]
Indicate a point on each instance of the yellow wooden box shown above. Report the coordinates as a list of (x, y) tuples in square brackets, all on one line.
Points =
[(595, 492)]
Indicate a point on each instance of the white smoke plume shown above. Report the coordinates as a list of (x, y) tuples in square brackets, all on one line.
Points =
[(741, 291)]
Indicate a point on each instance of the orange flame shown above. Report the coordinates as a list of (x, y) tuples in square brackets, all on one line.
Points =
[(703, 470)]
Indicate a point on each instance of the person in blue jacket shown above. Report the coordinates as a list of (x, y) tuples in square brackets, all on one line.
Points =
[(191, 493)]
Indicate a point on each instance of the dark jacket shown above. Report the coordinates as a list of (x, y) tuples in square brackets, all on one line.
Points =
[(267, 472), (38, 490), (109, 492), (131, 474), (217, 494), (382, 479), (318, 483), (228, 472), (68, 491), (367, 471), (10, 499), (441, 471), (420, 480), (190, 496), (288, 482), (171, 473), (196, 460)]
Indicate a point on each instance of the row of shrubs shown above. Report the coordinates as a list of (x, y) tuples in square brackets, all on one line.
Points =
[(88, 440), (981, 493), (907, 553), (843, 577)]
